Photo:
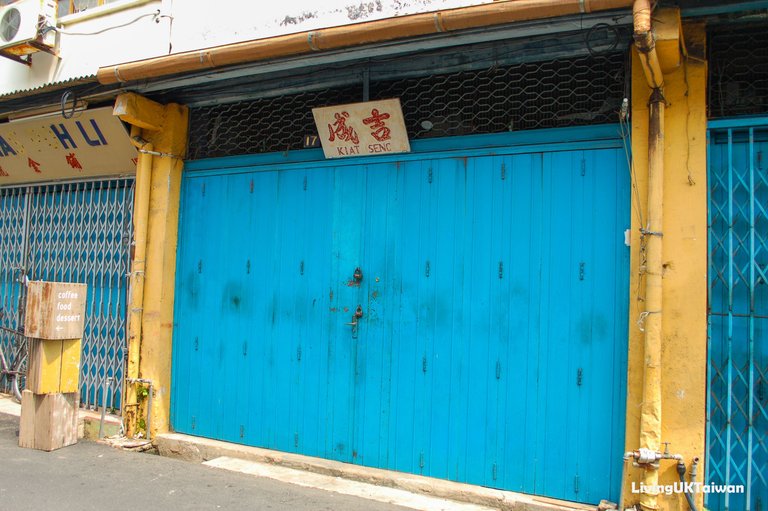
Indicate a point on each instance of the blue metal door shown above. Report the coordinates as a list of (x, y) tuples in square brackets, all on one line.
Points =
[(457, 315), (737, 415)]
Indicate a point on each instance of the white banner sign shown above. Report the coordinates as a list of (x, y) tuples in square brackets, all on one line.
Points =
[(92, 143), (374, 127)]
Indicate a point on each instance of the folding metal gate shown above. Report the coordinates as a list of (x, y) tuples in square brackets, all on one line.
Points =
[(738, 313), (74, 232)]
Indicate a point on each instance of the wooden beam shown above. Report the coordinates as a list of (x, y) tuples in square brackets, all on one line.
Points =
[(666, 25), (140, 111)]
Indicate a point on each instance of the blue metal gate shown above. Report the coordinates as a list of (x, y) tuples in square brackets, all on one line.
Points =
[(73, 232), (460, 315), (738, 313)]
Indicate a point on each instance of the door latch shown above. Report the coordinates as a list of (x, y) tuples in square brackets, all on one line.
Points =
[(355, 317)]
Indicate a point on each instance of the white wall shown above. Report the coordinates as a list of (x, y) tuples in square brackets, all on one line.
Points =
[(187, 25), (82, 54), (194, 28)]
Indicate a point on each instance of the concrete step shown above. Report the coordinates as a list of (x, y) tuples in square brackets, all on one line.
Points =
[(343, 486), (225, 455)]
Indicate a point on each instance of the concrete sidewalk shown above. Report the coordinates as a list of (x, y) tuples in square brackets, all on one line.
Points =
[(88, 423), (92, 476), (95, 476), (406, 490)]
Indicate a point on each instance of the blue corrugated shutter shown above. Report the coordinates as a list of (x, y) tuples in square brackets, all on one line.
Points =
[(493, 290)]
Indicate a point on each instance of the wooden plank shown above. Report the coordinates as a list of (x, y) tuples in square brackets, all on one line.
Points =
[(48, 421), (44, 366), (58, 426), (53, 366), (27, 422), (70, 365)]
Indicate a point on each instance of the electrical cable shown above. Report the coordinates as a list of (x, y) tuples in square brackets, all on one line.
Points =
[(65, 99), (155, 16), (589, 38)]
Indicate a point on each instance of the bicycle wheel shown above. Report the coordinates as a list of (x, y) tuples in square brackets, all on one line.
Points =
[(19, 365), (15, 391)]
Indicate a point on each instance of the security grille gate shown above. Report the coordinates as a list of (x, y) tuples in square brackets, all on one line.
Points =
[(457, 314), (73, 232), (738, 313)]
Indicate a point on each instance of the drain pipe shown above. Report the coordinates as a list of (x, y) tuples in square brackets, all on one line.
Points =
[(645, 42), (347, 36), (651, 318), (136, 306), (681, 474)]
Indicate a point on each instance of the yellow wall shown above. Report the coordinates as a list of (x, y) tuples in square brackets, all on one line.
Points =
[(159, 286), (684, 330)]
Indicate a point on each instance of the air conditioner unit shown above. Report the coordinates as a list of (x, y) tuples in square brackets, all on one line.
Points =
[(26, 28)]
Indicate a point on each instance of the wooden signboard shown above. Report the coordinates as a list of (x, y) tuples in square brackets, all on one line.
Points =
[(55, 310), (90, 144), (373, 127)]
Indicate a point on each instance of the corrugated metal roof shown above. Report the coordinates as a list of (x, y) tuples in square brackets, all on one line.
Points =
[(46, 87)]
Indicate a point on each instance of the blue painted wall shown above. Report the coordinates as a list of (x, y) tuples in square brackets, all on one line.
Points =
[(492, 346)]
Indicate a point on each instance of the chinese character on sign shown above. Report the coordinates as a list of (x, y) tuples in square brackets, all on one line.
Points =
[(34, 165), (3, 173), (379, 130), (73, 161), (340, 130)]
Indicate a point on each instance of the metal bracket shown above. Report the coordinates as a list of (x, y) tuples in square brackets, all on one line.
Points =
[(651, 233)]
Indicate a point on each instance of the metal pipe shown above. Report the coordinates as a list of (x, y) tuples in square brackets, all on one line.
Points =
[(149, 413), (372, 32), (650, 415), (688, 495), (138, 263), (694, 469), (107, 384), (646, 44), (645, 457), (149, 401)]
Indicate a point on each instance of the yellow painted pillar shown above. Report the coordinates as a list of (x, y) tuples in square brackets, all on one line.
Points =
[(162, 134), (684, 268)]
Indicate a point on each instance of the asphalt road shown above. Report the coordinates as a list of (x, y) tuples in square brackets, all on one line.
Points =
[(92, 476)]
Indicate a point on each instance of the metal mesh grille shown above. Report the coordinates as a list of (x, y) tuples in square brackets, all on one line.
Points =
[(738, 318), (75, 232), (12, 214), (568, 92), (738, 72)]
